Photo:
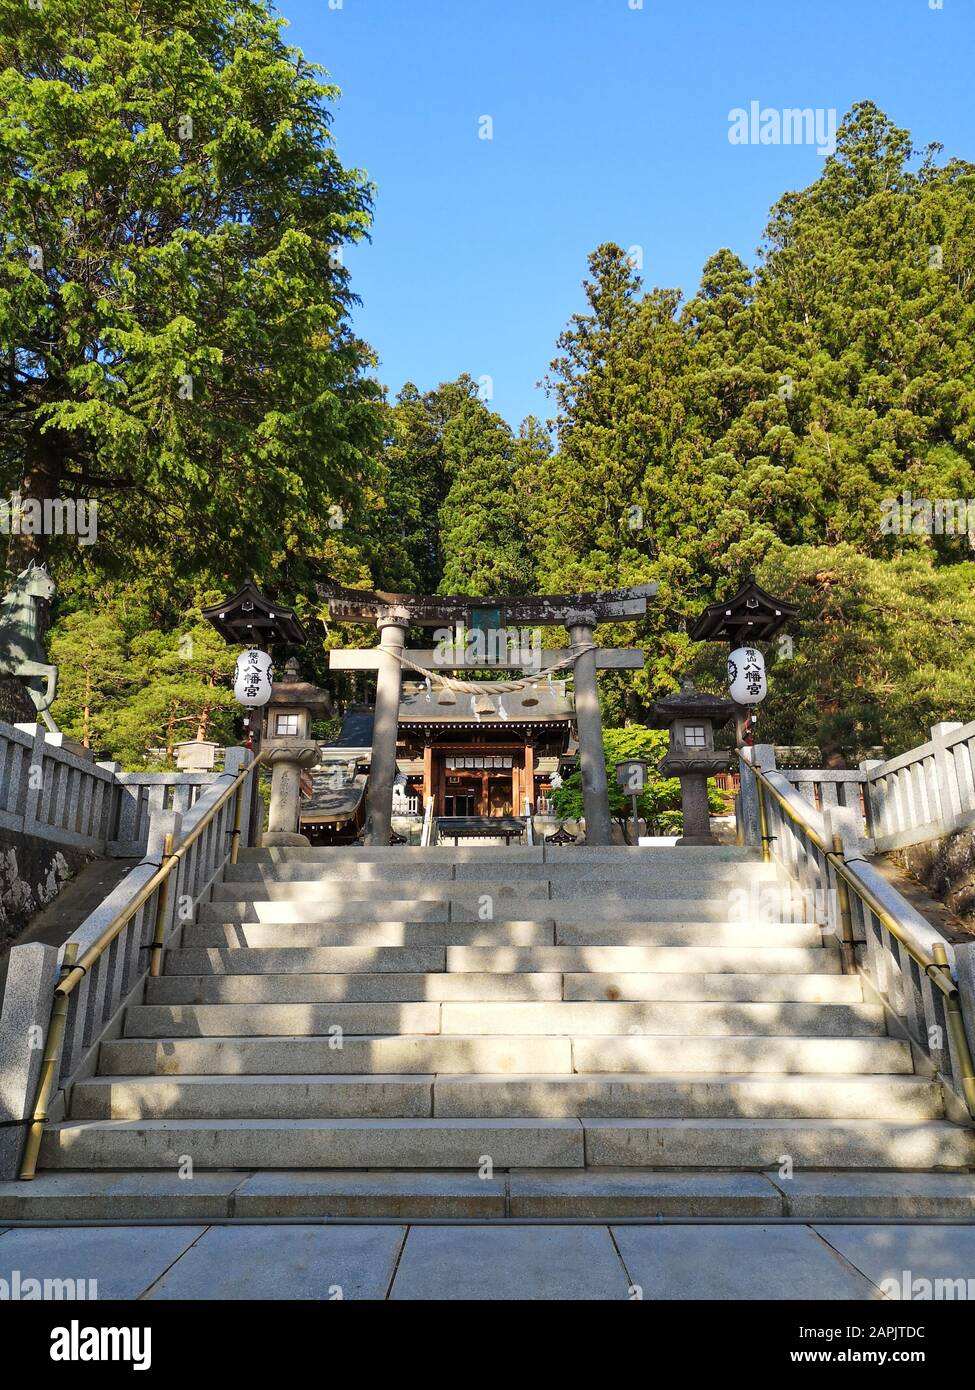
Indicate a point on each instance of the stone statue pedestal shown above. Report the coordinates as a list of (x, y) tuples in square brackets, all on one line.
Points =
[(287, 758)]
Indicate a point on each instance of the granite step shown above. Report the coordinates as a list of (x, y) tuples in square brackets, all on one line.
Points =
[(478, 1096), (532, 1018), (615, 1018), (772, 961), (639, 960), (348, 1143), (400, 1054), (764, 1143), (505, 1056), (568, 907), (508, 1143), (638, 870), (607, 1194), (439, 986), (506, 931)]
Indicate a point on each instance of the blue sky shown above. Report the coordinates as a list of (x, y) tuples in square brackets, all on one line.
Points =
[(610, 124)]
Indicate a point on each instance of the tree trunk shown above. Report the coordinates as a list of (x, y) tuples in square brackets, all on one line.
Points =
[(41, 481)]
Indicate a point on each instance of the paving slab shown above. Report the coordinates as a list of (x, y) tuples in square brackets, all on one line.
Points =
[(910, 1262), (737, 1262), (293, 1263), (515, 1263), (123, 1260)]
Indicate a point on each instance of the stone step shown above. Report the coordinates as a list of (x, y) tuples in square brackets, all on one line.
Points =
[(688, 932), (572, 907), (763, 1143), (616, 1018), (400, 889), (253, 1097), (617, 1193), (428, 1143), (508, 1143), (503, 960), (492, 1097), (370, 934), (69, 1197), (439, 986), (605, 1194), (360, 988), (503, 1056), (506, 932), (532, 1018), (296, 960), (635, 960), (638, 870), (688, 1096), (812, 989), (770, 900), (359, 1056), (277, 1020), (497, 855), (804, 1055)]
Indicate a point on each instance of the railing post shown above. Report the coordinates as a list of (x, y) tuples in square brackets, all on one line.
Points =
[(50, 1069), (947, 780), (32, 971)]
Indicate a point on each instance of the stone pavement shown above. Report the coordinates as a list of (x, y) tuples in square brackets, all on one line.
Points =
[(493, 1262)]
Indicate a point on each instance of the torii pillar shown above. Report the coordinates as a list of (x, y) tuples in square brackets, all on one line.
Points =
[(595, 790), (392, 626)]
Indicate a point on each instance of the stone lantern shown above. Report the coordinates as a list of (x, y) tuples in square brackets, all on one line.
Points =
[(293, 706), (290, 751), (691, 717)]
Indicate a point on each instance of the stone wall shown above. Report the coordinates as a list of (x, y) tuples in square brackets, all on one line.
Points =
[(946, 867), (32, 872)]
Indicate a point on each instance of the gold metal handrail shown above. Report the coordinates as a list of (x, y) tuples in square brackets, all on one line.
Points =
[(935, 966), (74, 971)]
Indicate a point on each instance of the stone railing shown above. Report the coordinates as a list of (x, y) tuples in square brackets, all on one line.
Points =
[(923, 794), (924, 983), (52, 794), (113, 951)]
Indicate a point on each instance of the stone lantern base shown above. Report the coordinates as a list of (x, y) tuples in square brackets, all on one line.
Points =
[(694, 771), (287, 758)]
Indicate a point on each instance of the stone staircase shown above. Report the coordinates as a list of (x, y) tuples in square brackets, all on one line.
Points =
[(489, 1032)]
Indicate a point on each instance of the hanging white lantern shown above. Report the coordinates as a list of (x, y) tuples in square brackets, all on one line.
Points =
[(746, 676), (253, 674)]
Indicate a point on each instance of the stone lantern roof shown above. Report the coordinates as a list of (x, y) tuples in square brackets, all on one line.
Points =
[(292, 691), (688, 703)]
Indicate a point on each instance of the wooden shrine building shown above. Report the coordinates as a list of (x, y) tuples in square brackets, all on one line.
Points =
[(491, 764)]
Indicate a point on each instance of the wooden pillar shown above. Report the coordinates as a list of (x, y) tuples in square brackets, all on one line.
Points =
[(528, 778), (427, 774)]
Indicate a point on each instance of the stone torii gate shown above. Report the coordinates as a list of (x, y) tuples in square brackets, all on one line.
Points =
[(393, 614)]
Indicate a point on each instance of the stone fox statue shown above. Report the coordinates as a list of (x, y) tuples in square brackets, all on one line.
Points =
[(22, 654)]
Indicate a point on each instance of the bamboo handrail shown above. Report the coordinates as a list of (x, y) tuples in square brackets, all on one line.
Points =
[(935, 966), (73, 972)]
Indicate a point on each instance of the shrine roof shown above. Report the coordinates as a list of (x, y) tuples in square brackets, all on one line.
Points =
[(750, 615)]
